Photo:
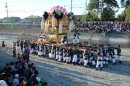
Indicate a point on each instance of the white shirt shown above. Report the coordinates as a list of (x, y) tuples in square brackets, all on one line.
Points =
[(18, 49)]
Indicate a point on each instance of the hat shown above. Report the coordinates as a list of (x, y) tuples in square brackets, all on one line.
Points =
[(16, 75), (3, 83)]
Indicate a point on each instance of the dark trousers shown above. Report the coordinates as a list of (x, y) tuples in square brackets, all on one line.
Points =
[(14, 53)]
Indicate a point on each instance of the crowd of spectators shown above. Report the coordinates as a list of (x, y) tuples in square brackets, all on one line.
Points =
[(22, 72), (104, 26)]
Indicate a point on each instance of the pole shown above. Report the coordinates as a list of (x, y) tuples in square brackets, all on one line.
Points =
[(6, 6), (86, 6), (71, 6), (86, 10), (99, 8)]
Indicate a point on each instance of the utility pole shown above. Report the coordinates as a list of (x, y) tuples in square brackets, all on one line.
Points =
[(86, 10), (99, 8), (6, 6), (86, 5), (71, 6)]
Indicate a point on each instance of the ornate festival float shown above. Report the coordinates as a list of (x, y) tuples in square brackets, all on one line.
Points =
[(56, 23)]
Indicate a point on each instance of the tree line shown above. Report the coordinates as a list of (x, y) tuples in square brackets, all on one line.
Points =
[(109, 9)]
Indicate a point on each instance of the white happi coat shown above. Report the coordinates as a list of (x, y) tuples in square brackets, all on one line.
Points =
[(99, 62)]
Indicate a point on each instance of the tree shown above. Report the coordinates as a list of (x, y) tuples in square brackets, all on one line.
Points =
[(93, 5), (83, 18), (91, 15), (108, 14), (107, 5), (122, 16), (127, 11), (11, 19), (126, 4), (111, 3)]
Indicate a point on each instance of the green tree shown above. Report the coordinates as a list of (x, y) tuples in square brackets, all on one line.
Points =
[(11, 19), (111, 3), (106, 3), (127, 11), (83, 18), (77, 19), (93, 5), (122, 16), (108, 6), (108, 14), (91, 15), (125, 3)]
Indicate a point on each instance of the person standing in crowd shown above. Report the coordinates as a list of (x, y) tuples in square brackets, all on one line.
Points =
[(76, 38), (119, 54), (60, 54), (26, 52), (57, 53), (52, 54), (14, 49), (18, 51), (3, 83), (80, 58), (68, 60), (99, 62), (75, 58), (85, 58), (3, 46), (41, 35), (16, 80), (21, 45), (40, 51), (64, 40), (113, 60)]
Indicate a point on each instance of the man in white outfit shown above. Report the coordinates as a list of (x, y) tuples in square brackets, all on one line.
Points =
[(119, 54), (18, 50), (64, 55), (99, 62), (120, 58), (57, 53), (68, 59), (113, 60), (60, 55), (85, 58), (75, 58)]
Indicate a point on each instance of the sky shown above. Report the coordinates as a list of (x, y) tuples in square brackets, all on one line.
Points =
[(24, 8)]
